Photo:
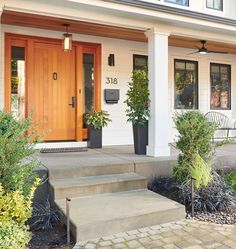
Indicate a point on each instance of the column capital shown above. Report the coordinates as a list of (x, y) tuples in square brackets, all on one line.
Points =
[(156, 31)]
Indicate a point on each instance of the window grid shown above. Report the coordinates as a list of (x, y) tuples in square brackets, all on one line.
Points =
[(215, 4), (213, 93), (195, 90)]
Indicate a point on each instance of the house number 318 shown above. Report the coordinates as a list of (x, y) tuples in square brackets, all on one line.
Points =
[(110, 80)]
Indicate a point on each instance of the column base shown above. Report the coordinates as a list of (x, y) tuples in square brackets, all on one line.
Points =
[(158, 151)]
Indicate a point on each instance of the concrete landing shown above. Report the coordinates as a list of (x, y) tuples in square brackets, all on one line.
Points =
[(106, 214)]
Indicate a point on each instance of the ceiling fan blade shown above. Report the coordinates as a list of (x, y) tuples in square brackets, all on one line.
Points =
[(193, 53), (196, 47), (217, 52)]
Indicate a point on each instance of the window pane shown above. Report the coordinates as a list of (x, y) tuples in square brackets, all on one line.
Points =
[(220, 86), (140, 62), (186, 85), (18, 81), (214, 4), (88, 78), (181, 2)]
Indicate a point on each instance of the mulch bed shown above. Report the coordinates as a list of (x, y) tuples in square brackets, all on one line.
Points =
[(52, 239)]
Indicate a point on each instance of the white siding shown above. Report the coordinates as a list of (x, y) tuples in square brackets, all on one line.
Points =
[(229, 7), (119, 131)]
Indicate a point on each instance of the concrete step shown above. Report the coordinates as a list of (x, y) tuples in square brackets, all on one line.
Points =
[(107, 214), (93, 185), (78, 171)]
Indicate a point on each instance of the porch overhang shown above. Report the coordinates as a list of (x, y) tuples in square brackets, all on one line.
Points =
[(95, 29)]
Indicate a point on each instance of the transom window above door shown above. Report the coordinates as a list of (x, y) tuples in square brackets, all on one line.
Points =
[(215, 4), (180, 2), (186, 84)]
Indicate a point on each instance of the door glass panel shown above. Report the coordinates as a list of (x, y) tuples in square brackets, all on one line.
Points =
[(18, 82), (88, 80)]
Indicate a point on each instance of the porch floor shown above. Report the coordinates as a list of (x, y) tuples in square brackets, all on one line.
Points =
[(124, 155)]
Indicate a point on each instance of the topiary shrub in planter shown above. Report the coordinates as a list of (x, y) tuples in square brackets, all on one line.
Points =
[(17, 180), (96, 120), (138, 109)]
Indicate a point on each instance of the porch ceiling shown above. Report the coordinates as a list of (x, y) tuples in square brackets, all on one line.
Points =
[(54, 23)]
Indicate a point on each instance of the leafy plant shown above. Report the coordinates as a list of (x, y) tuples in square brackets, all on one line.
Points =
[(15, 211), (194, 142), (138, 98), (97, 119), (17, 154), (17, 180), (43, 216), (216, 197), (230, 178)]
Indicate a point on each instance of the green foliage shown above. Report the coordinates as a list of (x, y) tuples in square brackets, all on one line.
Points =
[(13, 236), (138, 98), (230, 178), (194, 142), (17, 181), (17, 154), (97, 119)]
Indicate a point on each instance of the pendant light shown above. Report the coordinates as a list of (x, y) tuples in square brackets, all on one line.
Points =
[(67, 39)]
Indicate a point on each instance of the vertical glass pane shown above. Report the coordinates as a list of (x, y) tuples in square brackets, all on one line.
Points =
[(210, 4), (185, 85), (18, 81), (88, 79), (140, 62), (220, 86)]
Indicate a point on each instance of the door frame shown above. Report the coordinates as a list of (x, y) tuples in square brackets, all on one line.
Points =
[(80, 47)]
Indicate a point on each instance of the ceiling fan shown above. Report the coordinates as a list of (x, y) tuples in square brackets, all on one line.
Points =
[(204, 50)]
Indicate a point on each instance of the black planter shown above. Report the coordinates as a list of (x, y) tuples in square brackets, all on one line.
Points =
[(94, 138), (140, 133)]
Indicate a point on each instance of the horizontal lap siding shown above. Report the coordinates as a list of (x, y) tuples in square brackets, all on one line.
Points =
[(119, 131)]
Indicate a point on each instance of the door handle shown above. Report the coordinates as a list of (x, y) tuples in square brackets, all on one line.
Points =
[(72, 102)]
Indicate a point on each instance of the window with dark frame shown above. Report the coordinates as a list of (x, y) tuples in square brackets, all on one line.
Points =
[(220, 76), (140, 62), (180, 2), (214, 4), (186, 84)]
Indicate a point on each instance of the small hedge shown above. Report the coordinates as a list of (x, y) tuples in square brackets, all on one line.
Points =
[(17, 180)]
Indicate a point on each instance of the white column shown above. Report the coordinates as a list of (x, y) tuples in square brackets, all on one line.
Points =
[(159, 123)]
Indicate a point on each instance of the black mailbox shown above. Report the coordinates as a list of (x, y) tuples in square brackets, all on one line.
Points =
[(112, 96)]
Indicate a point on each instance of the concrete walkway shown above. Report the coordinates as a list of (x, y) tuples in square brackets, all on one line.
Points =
[(185, 234)]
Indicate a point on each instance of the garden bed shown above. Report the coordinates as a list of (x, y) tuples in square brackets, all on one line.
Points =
[(49, 239), (215, 203)]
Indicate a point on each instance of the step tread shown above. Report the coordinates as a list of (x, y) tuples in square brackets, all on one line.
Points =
[(114, 206), (94, 180)]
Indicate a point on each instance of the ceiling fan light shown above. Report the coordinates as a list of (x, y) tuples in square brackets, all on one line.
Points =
[(202, 52)]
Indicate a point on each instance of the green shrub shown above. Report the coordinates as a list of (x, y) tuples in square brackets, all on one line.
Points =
[(17, 180), (13, 236), (194, 143), (138, 98), (17, 154), (230, 178), (97, 119)]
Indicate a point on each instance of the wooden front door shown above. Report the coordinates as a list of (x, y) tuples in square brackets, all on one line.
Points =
[(41, 80), (51, 97)]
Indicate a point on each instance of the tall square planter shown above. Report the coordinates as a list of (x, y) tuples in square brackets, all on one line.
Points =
[(140, 133), (94, 138)]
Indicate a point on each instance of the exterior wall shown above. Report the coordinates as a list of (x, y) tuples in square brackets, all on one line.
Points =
[(229, 7), (119, 131)]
